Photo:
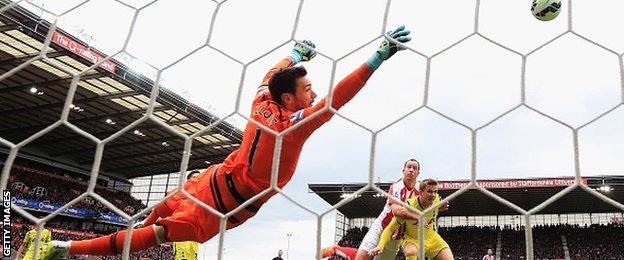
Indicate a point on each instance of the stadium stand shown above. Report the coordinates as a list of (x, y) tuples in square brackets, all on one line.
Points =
[(595, 241), (548, 242), (471, 242), (29, 183), (55, 168), (481, 238), (107, 99), (512, 243)]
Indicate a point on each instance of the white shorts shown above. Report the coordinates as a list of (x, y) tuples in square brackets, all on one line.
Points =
[(372, 238)]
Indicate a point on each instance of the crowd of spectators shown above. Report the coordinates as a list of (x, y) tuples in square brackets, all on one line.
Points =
[(55, 188), (353, 237), (584, 242), (547, 243), (470, 242), (512, 243), (596, 241), (29, 183)]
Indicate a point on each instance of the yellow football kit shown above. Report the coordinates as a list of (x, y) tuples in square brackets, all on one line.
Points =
[(29, 241), (409, 230), (186, 250)]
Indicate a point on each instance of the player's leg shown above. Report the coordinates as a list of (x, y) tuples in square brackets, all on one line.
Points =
[(142, 238), (410, 250), (437, 248), (445, 254), (369, 242), (186, 221), (390, 250), (362, 255), (182, 225)]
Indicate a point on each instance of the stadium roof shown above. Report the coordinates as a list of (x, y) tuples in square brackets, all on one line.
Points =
[(526, 193), (106, 100)]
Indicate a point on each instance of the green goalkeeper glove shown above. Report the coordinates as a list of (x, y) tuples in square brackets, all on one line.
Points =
[(388, 48), (302, 53)]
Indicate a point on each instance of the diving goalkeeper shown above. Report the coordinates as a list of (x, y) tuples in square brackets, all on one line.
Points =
[(284, 98)]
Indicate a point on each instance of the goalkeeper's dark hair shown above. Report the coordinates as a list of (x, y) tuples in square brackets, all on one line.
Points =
[(190, 174), (285, 81)]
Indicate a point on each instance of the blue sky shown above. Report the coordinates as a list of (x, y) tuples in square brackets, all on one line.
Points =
[(473, 82)]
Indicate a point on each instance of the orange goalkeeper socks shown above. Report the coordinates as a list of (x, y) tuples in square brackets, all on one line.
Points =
[(142, 238)]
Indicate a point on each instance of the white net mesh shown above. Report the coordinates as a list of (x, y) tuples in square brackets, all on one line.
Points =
[(453, 106)]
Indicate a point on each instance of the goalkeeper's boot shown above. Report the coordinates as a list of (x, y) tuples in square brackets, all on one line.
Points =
[(56, 250)]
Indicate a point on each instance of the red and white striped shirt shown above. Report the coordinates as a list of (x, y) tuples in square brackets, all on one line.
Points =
[(400, 192)]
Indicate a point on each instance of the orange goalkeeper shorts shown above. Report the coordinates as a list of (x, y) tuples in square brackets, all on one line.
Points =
[(170, 205), (216, 188)]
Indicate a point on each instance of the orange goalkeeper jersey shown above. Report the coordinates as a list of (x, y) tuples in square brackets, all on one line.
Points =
[(252, 161), (247, 170)]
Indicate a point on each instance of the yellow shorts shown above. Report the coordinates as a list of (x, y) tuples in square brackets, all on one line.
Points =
[(434, 243)]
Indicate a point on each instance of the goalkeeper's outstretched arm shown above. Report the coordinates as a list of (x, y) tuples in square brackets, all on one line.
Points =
[(353, 83)]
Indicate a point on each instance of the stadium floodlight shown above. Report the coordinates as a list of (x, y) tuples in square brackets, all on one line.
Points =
[(139, 133), (33, 90), (605, 188), (378, 195), (347, 195)]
